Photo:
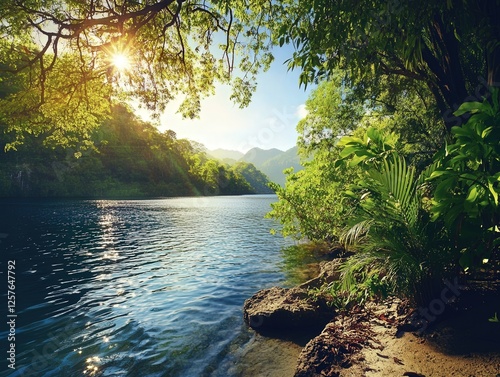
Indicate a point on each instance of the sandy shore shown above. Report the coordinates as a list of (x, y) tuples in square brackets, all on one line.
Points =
[(461, 343)]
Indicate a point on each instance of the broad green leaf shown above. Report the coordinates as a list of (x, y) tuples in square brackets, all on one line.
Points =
[(439, 173), (470, 107), (472, 195), (493, 192)]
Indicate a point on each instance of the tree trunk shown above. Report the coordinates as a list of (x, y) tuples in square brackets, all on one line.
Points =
[(489, 13), (493, 62)]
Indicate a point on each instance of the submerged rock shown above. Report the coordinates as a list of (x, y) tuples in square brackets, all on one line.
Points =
[(281, 308)]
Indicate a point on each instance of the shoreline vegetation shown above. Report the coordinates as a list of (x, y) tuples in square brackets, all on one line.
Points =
[(126, 159), (419, 224), (381, 337)]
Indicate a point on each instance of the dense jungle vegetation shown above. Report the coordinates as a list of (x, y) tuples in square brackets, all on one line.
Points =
[(128, 158)]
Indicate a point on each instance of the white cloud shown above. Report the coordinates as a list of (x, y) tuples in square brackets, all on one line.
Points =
[(301, 111)]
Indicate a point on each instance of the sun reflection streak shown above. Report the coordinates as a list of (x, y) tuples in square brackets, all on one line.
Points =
[(92, 369), (107, 222)]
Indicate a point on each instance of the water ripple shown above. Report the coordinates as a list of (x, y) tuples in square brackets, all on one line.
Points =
[(129, 288)]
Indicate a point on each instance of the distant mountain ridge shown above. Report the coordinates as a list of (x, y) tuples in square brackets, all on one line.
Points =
[(271, 162), (259, 157), (224, 154)]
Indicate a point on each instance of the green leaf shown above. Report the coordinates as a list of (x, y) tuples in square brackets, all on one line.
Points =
[(494, 318), (486, 132), (470, 107), (472, 195), (493, 192), (350, 139), (439, 173), (350, 149), (463, 131)]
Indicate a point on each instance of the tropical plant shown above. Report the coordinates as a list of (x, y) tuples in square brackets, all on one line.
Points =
[(312, 204), (391, 232), (468, 181)]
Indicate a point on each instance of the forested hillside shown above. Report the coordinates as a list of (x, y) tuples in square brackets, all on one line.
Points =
[(129, 158), (273, 162)]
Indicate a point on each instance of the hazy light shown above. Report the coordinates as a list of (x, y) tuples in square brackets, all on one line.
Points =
[(121, 62)]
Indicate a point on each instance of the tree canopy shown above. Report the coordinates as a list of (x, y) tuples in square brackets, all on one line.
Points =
[(451, 46), (58, 58)]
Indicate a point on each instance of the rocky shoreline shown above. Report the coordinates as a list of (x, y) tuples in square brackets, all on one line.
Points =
[(363, 342)]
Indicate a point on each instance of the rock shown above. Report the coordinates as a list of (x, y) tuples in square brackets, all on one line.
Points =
[(335, 349), (281, 308)]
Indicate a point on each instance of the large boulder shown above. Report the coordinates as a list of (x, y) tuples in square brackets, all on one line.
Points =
[(281, 308)]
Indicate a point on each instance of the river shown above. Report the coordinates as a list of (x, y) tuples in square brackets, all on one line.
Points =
[(134, 287)]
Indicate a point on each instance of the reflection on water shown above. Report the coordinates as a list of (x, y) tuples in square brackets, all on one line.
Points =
[(136, 288), (300, 262)]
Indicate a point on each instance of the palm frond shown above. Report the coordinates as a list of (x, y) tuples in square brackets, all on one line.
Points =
[(390, 235), (355, 233)]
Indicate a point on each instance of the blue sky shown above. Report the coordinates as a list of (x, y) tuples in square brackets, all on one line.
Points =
[(268, 122)]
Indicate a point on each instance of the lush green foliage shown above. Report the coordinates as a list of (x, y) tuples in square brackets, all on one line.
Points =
[(390, 229), (333, 110), (59, 55), (411, 228), (362, 190), (467, 182), (257, 180), (133, 159), (312, 204), (446, 45)]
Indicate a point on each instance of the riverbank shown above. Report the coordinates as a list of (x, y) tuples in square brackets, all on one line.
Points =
[(463, 344), (372, 342)]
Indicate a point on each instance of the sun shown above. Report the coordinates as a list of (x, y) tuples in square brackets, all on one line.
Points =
[(120, 61)]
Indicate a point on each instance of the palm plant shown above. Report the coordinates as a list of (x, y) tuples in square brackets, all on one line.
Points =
[(391, 232)]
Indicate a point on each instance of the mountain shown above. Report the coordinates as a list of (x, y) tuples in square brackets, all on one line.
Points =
[(257, 180), (225, 154), (258, 156), (272, 162)]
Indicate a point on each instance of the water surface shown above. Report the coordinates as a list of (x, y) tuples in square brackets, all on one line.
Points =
[(135, 288)]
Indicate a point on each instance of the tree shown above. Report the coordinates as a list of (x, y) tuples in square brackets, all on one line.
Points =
[(313, 204), (444, 44), (390, 228), (133, 160), (60, 54), (332, 111), (257, 180)]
